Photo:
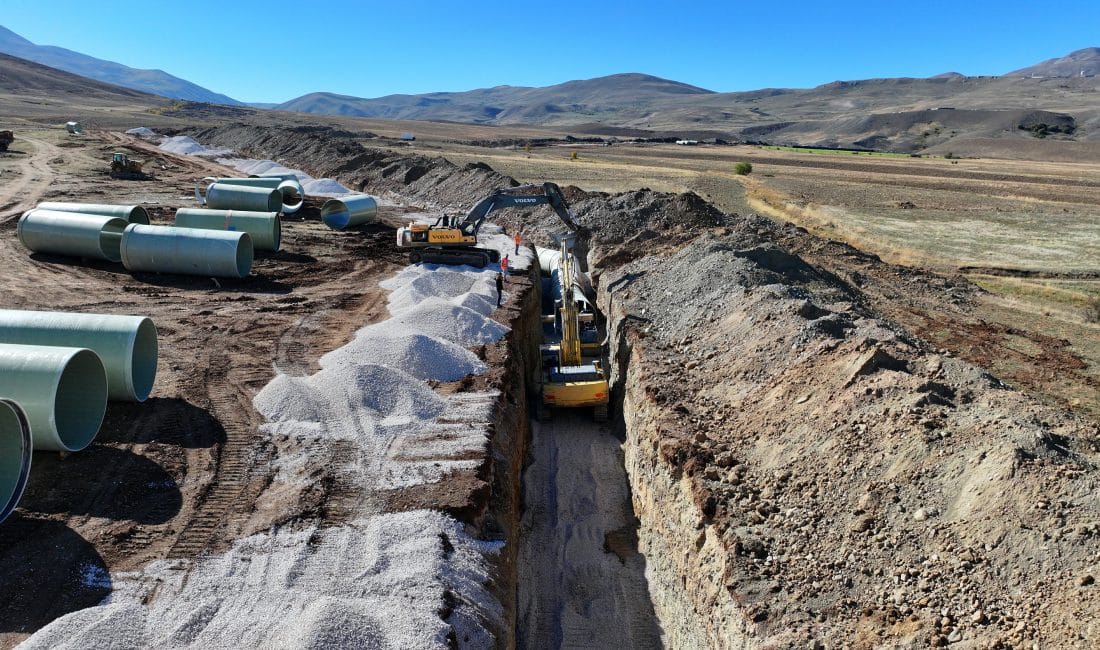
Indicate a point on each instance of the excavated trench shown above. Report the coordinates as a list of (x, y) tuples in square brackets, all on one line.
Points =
[(581, 581)]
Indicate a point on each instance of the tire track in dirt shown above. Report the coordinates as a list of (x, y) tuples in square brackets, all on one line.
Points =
[(36, 173)]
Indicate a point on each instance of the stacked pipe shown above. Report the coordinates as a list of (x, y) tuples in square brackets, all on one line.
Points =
[(123, 234), (282, 193), (57, 371)]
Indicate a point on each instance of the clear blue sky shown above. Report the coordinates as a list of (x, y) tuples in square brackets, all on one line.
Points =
[(273, 51)]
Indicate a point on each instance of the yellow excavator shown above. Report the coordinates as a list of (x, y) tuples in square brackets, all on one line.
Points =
[(451, 240), (572, 376)]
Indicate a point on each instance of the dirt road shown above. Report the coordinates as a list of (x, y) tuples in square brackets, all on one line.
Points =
[(23, 185), (582, 582)]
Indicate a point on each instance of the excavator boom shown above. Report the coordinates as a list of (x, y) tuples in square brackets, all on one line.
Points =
[(451, 242)]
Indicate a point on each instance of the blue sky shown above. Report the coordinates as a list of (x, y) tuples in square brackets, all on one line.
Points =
[(274, 51)]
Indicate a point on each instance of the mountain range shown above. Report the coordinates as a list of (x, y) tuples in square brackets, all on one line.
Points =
[(156, 82), (1057, 99)]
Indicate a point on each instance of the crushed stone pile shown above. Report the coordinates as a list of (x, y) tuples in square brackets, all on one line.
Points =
[(183, 144), (145, 133), (421, 356), (377, 582)]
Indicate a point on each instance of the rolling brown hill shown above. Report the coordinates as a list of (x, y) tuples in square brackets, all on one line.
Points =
[(156, 82), (1081, 63), (882, 114)]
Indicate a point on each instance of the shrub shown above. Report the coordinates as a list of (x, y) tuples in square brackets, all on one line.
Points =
[(742, 169), (1092, 310)]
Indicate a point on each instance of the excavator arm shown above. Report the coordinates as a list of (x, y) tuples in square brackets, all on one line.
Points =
[(522, 196)]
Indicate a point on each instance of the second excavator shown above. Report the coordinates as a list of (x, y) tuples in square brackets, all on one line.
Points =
[(453, 240)]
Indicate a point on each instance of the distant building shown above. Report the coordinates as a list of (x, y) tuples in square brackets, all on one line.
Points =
[(687, 142), (408, 136)]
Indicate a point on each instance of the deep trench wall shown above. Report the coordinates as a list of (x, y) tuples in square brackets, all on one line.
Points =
[(685, 557), (804, 471), (514, 363)]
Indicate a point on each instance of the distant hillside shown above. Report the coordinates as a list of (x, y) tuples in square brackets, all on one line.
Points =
[(22, 77), (611, 96), (1082, 63), (156, 82)]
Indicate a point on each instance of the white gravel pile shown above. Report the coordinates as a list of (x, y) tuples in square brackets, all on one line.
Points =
[(377, 582), (145, 133), (183, 144), (324, 187), (422, 356)]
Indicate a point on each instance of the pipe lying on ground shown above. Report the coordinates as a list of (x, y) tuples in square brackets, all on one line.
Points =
[(293, 195), (189, 251), (226, 196), (339, 214), (290, 189), (69, 233), (127, 345), (15, 455), (131, 213), (265, 228), (63, 391)]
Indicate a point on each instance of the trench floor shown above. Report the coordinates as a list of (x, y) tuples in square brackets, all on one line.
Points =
[(582, 582)]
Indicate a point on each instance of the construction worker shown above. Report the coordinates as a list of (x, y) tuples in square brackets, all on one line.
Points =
[(517, 239), (504, 264), (500, 287)]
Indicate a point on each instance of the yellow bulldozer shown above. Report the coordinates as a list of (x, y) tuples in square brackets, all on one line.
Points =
[(123, 167)]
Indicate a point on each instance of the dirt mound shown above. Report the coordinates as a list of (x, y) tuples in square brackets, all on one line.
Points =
[(334, 153)]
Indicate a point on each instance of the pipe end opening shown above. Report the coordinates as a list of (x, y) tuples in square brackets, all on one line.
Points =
[(244, 255), (15, 455), (143, 360), (81, 400)]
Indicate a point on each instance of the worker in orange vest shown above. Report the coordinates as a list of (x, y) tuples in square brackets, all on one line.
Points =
[(504, 264), (517, 238)]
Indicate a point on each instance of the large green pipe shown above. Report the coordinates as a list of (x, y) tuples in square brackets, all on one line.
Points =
[(226, 196), (190, 251), (131, 213), (93, 236), (339, 214), (265, 228), (127, 345), (289, 188), (15, 455), (63, 391)]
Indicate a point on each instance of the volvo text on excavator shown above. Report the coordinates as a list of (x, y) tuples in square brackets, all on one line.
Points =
[(451, 240)]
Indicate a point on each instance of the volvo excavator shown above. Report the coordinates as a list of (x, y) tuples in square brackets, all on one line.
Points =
[(451, 240), (572, 375)]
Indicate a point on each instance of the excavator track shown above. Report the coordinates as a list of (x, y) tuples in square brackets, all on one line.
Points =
[(476, 257)]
